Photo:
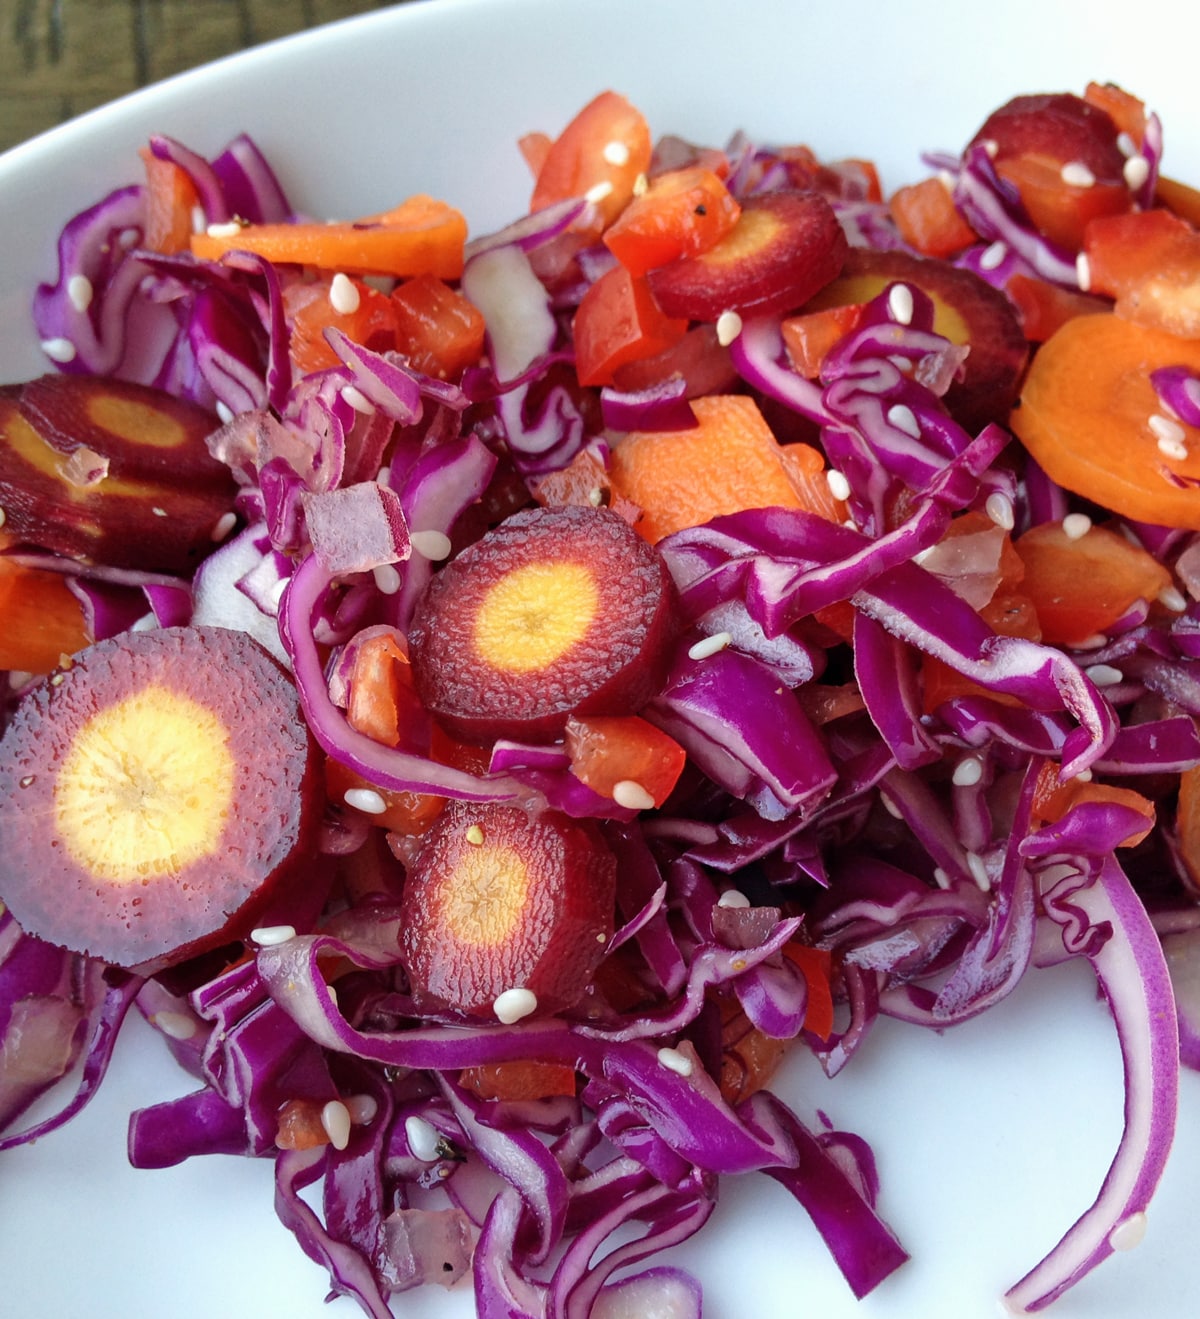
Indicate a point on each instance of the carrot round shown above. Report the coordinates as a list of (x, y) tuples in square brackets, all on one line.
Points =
[(1090, 416)]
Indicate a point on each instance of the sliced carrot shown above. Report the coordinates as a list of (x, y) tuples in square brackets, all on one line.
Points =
[(1085, 416), (420, 236), (806, 470), (1080, 586), (1043, 306), (518, 1080), (1178, 197), (437, 329), (42, 620), (607, 750), (809, 336), (1187, 821), (171, 201), (729, 462), (682, 213), (928, 219)]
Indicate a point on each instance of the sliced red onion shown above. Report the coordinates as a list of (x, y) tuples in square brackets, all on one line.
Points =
[(357, 528), (661, 407), (383, 379), (1178, 388), (249, 185), (201, 173)]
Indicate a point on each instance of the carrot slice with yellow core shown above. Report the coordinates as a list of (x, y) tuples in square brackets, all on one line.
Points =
[(1087, 415), (486, 894), (535, 614)]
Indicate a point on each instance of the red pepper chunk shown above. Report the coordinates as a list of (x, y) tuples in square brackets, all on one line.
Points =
[(618, 322), (501, 899), (608, 750)]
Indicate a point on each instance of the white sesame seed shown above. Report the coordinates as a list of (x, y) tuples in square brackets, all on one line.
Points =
[(632, 796), (991, 146), (424, 1140), (1084, 776), (1000, 509), (709, 645), (1128, 1233), (729, 326), (1076, 525), (80, 292), (640, 185), (270, 936), (357, 400), (158, 512), (59, 350), (993, 255), (1125, 144), (1104, 675), (3, 517), (596, 496), (387, 578), (223, 526), (1083, 272), (967, 772), (362, 1108), (839, 487), (199, 220), (276, 592), (1172, 598), (900, 304), (1094, 642), (674, 1061), (598, 191), (335, 1118), (178, 1025), (434, 545), (890, 806), (224, 412), (978, 869), (343, 296), (129, 237), (475, 835), (1167, 432), (616, 153), (904, 419), (1136, 171), (366, 800), (733, 897), (1173, 449), (226, 229), (940, 878), (514, 1004), (1075, 174)]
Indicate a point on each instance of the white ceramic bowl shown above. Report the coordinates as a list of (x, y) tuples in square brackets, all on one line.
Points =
[(992, 1138)]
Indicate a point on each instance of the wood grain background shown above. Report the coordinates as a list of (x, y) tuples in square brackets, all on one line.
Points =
[(59, 58)]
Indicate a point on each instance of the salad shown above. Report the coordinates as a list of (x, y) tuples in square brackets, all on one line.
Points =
[(484, 700)]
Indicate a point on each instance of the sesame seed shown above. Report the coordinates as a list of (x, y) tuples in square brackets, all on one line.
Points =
[(28, 780), (940, 878), (80, 292), (992, 255), (1000, 509), (1128, 1233), (710, 645), (178, 1025), (343, 296), (890, 806), (335, 1118), (514, 1004), (3, 517), (632, 796), (199, 220), (991, 146), (424, 1140), (1084, 776), (158, 512), (1076, 525), (640, 185), (1167, 432), (366, 800), (270, 936), (129, 237), (1172, 598), (616, 153), (900, 304), (59, 350), (276, 592), (226, 229), (475, 835), (1075, 174), (224, 412), (598, 191), (967, 772), (1136, 171), (362, 1109), (434, 545), (387, 578), (729, 326), (1125, 144), (904, 419), (357, 400), (978, 869), (674, 1061), (1174, 449), (733, 897), (1094, 642), (1083, 272), (1104, 675), (57, 679), (224, 525), (839, 487)]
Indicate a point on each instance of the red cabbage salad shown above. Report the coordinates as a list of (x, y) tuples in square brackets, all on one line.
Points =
[(484, 699)]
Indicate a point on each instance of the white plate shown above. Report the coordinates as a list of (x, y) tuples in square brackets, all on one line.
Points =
[(992, 1138)]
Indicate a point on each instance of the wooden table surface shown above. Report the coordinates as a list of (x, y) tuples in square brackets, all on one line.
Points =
[(59, 58)]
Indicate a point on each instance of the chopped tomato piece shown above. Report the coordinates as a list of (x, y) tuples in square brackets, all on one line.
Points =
[(43, 620), (1043, 306), (809, 336), (518, 1080), (437, 329), (607, 750), (1150, 262), (1125, 110), (928, 219), (1081, 586), (406, 813), (534, 148), (171, 201), (816, 965), (601, 151), (682, 213), (382, 702), (1061, 210), (618, 321), (310, 310)]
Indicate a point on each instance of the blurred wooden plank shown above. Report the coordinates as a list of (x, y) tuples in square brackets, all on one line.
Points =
[(59, 58)]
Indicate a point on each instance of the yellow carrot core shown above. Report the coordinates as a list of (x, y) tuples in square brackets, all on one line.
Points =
[(533, 615), (486, 895), (140, 423)]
